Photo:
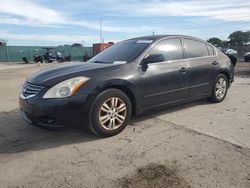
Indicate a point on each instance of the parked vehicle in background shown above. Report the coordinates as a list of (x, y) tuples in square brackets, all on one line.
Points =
[(38, 59), (52, 54), (130, 77), (59, 57), (247, 56), (86, 57), (232, 54), (49, 55), (68, 58)]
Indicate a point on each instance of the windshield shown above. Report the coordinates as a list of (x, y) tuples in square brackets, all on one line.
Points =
[(122, 52)]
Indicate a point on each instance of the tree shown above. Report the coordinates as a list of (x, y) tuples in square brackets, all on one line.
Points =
[(239, 38), (225, 43), (215, 41)]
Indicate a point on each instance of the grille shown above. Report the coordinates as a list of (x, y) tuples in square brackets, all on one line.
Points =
[(30, 90)]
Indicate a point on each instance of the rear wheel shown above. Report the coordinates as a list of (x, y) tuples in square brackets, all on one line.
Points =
[(220, 88), (111, 113)]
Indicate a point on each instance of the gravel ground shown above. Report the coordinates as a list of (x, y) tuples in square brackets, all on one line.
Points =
[(194, 145)]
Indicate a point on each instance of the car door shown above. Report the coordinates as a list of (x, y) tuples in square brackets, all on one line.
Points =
[(165, 81), (202, 66)]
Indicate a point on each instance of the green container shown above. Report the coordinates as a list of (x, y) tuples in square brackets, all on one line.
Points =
[(16, 53)]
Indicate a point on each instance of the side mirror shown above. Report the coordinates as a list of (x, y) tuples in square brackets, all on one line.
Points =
[(154, 58)]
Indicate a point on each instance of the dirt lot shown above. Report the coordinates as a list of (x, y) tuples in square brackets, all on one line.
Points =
[(193, 145)]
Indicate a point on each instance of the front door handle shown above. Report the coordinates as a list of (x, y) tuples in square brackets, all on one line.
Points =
[(183, 70), (215, 63)]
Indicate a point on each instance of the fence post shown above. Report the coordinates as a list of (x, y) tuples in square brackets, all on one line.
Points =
[(30, 58), (69, 51), (7, 53)]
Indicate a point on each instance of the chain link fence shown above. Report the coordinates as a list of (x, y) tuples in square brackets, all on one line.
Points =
[(16, 53)]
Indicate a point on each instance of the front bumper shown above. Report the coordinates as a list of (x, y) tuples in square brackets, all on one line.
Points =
[(64, 112)]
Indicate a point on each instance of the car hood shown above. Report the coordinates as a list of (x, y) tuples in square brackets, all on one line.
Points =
[(55, 75)]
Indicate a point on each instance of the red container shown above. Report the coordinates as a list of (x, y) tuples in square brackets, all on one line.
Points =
[(98, 47)]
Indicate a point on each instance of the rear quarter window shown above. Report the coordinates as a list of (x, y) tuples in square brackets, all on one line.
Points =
[(210, 50), (195, 48)]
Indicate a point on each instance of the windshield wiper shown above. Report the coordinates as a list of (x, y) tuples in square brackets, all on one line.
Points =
[(101, 62)]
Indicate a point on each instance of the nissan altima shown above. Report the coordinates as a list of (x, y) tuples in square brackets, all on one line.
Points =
[(128, 78)]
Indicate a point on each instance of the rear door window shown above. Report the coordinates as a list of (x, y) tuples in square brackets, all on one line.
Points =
[(195, 48), (171, 49)]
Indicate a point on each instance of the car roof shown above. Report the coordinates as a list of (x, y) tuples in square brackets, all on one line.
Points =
[(158, 37)]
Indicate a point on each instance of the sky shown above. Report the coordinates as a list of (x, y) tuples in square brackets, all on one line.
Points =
[(58, 22)]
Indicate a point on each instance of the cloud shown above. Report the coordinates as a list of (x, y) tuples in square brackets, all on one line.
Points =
[(85, 14), (10, 20), (25, 12), (233, 10), (31, 11), (16, 12), (49, 38)]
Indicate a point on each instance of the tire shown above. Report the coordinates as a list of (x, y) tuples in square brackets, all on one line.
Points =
[(111, 112), (219, 90)]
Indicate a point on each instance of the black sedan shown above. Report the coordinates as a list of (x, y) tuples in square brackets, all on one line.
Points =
[(131, 77)]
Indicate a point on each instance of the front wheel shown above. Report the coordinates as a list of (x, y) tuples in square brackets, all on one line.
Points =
[(111, 113), (220, 88)]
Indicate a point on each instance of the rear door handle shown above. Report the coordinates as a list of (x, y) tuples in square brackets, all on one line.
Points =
[(215, 63), (183, 70)]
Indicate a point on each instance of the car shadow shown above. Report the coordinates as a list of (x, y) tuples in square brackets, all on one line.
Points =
[(170, 109), (17, 136)]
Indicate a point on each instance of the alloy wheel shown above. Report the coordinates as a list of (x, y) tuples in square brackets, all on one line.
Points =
[(112, 113), (220, 88)]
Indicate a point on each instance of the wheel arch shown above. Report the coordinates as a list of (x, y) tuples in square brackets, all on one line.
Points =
[(226, 71), (125, 87), (226, 74)]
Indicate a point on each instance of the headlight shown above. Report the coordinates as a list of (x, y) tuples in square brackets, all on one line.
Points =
[(65, 88)]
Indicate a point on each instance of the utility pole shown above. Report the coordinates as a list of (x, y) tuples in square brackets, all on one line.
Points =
[(101, 38), (101, 30)]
